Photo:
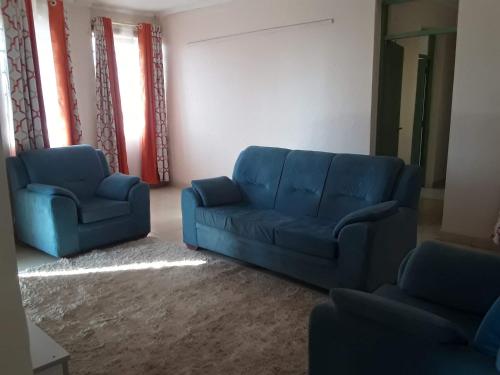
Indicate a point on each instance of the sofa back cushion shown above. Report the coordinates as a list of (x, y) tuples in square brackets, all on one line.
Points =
[(302, 182), (257, 173), (76, 168), (357, 181)]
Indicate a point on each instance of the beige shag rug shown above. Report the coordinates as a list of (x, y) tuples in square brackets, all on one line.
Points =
[(153, 307)]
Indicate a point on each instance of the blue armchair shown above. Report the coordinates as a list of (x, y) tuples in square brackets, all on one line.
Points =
[(442, 317), (65, 200)]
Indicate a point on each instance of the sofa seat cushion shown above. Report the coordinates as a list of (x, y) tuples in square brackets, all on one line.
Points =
[(256, 224), (98, 209), (468, 322), (308, 235), (217, 216)]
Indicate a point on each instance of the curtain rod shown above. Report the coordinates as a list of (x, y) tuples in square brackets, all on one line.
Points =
[(261, 30)]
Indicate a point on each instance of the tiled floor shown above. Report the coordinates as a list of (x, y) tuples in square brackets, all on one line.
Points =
[(166, 224)]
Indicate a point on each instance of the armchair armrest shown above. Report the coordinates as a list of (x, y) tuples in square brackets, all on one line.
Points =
[(498, 360), (368, 214), (47, 222), (217, 191), (116, 186), (487, 339), (53, 190), (345, 342), (398, 316)]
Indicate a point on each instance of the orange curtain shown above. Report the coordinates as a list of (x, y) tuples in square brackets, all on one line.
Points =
[(115, 95), (149, 170), (63, 69)]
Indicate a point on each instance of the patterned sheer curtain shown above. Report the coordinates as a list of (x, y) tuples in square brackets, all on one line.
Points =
[(154, 150), (28, 114), (6, 124), (110, 133), (66, 93)]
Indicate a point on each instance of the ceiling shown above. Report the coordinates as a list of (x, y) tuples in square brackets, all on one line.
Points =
[(150, 6)]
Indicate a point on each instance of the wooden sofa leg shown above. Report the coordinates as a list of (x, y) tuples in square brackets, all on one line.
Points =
[(191, 247)]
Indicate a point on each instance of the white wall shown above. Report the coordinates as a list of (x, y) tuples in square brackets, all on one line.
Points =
[(307, 87), (14, 342), (472, 197)]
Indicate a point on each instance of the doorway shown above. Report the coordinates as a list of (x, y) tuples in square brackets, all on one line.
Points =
[(417, 60)]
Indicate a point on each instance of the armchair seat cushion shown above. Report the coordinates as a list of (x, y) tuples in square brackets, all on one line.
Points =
[(257, 225), (468, 322), (308, 235), (97, 209)]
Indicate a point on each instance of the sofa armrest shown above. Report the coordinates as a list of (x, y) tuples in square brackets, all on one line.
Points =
[(398, 316), (47, 222), (53, 190), (368, 214), (189, 201), (116, 186), (453, 276), (369, 253), (217, 191)]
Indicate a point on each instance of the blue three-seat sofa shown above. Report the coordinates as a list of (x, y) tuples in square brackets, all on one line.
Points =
[(332, 220)]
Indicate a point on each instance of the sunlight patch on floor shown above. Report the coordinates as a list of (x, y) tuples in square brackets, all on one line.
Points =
[(118, 268)]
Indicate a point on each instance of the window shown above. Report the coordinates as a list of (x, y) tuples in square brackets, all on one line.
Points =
[(129, 77)]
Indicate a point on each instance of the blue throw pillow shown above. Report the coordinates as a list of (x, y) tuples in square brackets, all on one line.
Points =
[(487, 338), (217, 191)]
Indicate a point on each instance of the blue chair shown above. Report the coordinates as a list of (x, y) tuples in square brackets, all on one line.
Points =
[(332, 220), (65, 201), (442, 318)]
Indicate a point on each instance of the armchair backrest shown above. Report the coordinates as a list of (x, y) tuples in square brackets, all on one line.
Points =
[(77, 168), (464, 279)]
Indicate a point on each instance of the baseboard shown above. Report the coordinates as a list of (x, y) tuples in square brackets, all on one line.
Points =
[(480, 243)]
